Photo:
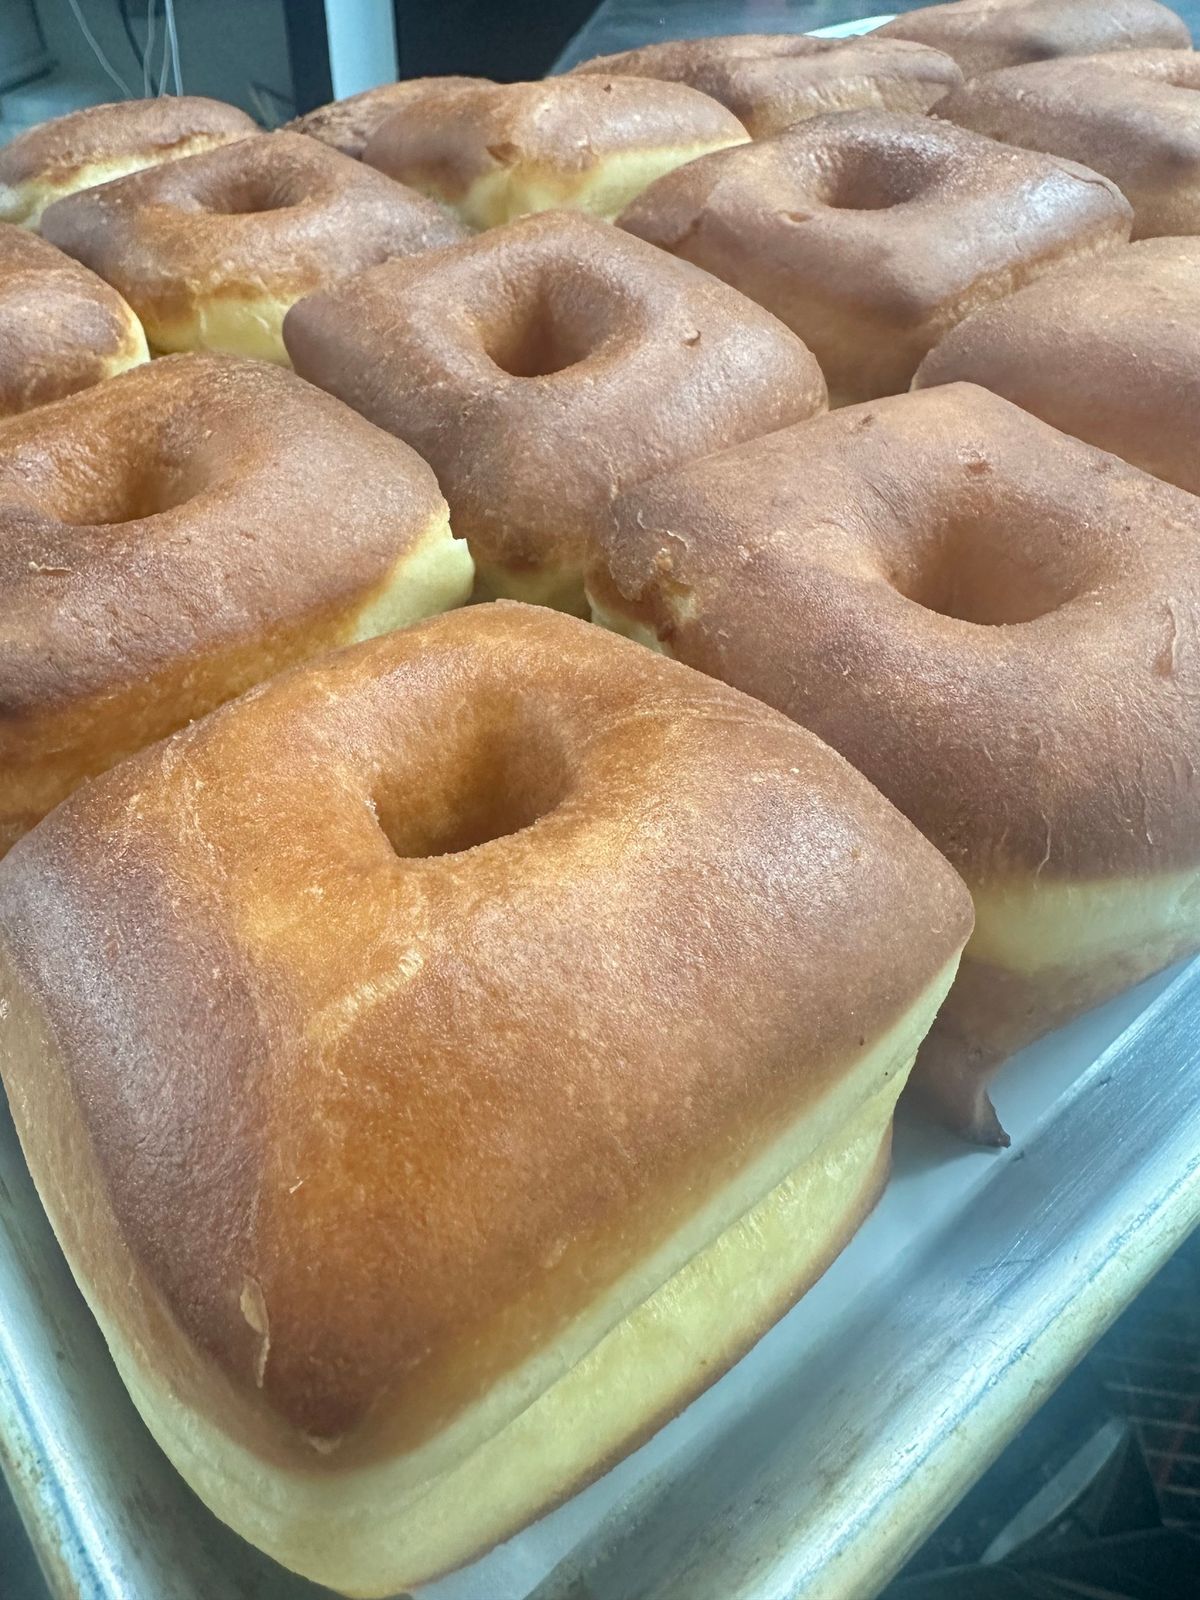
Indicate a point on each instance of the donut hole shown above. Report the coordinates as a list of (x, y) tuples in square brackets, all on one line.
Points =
[(147, 489), (970, 573), (496, 786), (541, 335), (876, 178), (250, 195)]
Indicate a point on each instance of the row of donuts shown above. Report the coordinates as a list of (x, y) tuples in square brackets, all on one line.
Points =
[(442, 1060), (869, 236), (244, 522), (437, 350)]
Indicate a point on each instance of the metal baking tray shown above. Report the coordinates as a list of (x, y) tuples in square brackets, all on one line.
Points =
[(811, 1469)]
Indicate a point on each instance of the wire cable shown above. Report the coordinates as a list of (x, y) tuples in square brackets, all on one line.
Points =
[(173, 36), (147, 53), (163, 64), (127, 24), (98, 52)]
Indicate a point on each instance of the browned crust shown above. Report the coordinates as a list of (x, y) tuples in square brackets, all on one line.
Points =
[(769, 80), (54, 151), (1054, 732), (870, 233), (225, 947), (348, 124), (638, 362), (276, 215), (1130, 115), (61, 327), (563, 128), (1131, 321), (983, 35), (169, 538)]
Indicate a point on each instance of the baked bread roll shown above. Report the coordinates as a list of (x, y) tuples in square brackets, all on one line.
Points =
[(443, 1062), (495, 151), (1133, 115), (541, 368), (983, 35), (769, 80), (993, 623), (96, 144), (179, 533), (348, 124), (61, 327), (871, 234), (1129, 322), (212, 250)]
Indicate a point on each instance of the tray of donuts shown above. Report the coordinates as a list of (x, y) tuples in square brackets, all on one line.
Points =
[(598, 794)]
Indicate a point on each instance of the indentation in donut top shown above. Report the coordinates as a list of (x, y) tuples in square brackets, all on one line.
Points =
[(875, 174), (547, 322), (249, 194), (490, 779), (983, 550), (266, 173), (970, 569), (171, 463), (137, 489)]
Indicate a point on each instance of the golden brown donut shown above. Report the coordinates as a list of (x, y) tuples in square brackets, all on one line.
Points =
[(997, 625), (871, 234), (543, 367), (494, 151), (507, 1022), (983, 35), (61, 327), (91, 146), (1131, 382), (348, 124), (179, 533), (1133, 115), (769, 80), (212, 250)]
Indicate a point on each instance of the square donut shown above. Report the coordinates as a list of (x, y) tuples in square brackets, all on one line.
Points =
[(996, 624), (61, 327), (1131, 321), (543, 367), (770, 80), (491, 152), (442, 1063), (212, 249), (179, 532), (1133, 115), (872, 233), (99, 143), (985, 35)]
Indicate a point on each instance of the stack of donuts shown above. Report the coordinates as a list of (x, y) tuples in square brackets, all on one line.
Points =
[(557, 642)]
